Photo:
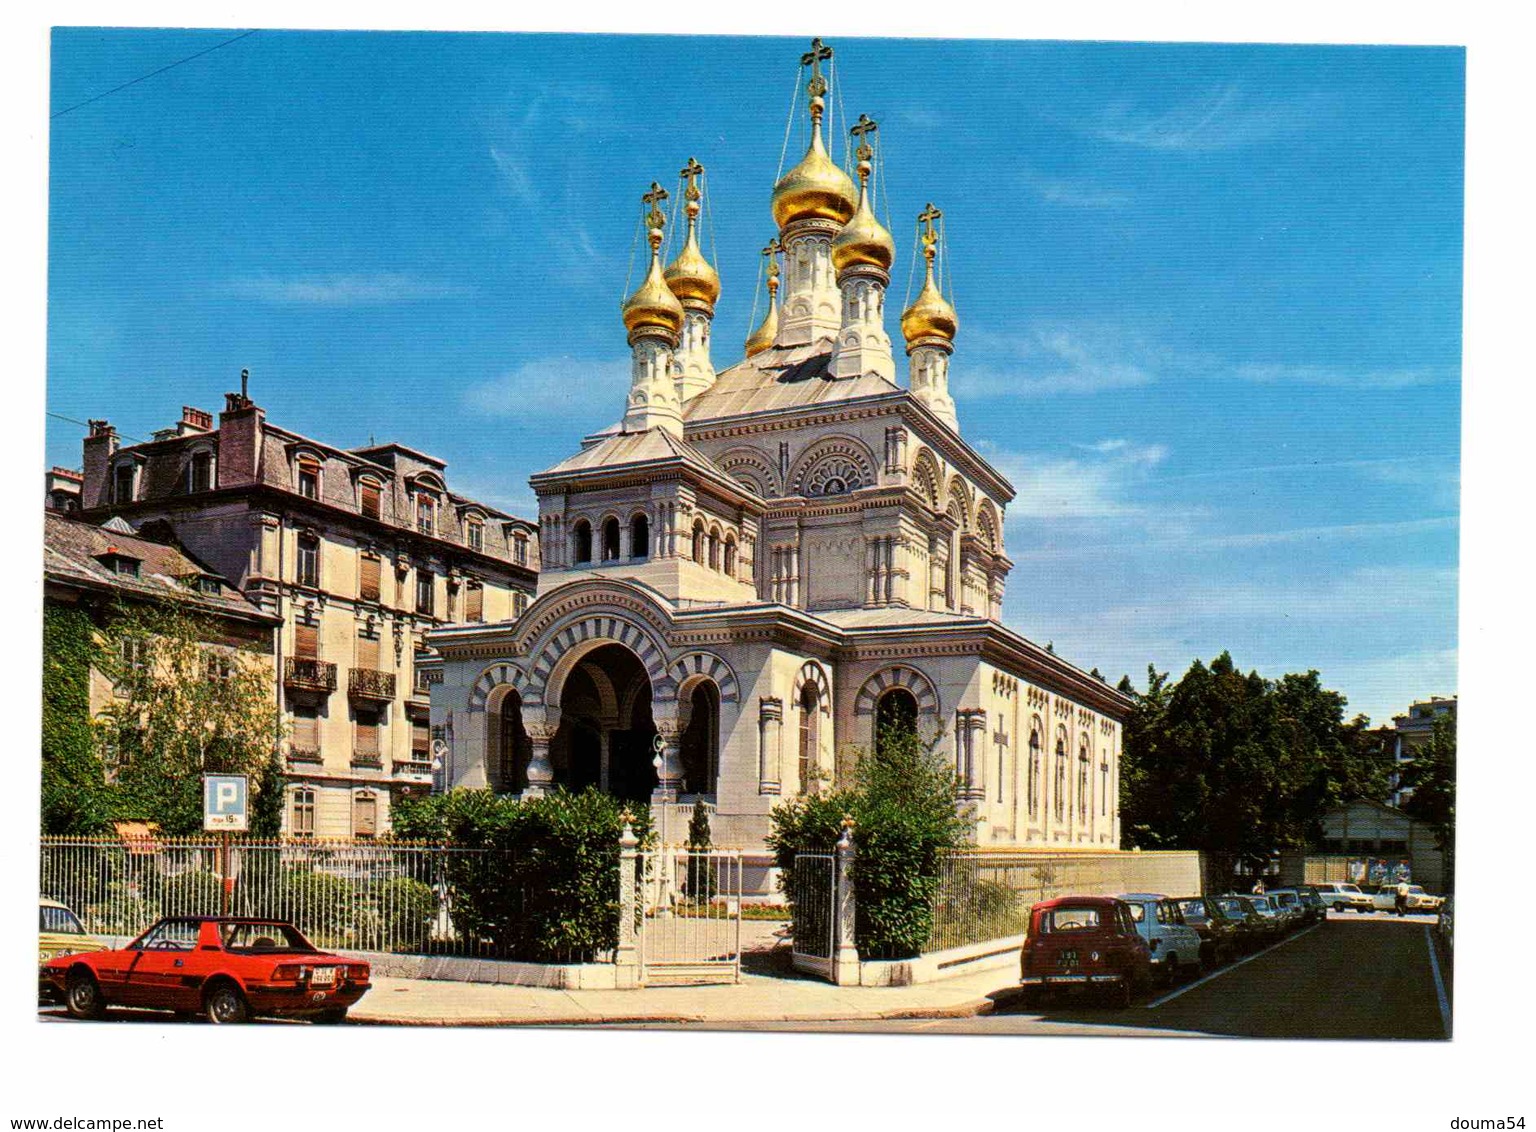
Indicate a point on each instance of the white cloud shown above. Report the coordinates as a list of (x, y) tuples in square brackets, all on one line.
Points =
[(1341, 532), (1050, 359), (341, 290), (1344, 378), (1074, 194), (1224, 118), (555, 386), (1096, 486)]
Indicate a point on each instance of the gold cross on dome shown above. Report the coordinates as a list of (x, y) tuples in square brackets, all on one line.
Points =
[(861, 129), (775, 246), (926, 218), (691, 172), (654, 198), (812, 59)]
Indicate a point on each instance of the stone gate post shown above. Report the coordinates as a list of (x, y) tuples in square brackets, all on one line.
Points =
[(626, 956), (845, 954)]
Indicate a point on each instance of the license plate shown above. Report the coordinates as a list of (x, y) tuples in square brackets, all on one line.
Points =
[(1068, 979), (1068, 959), (323, 976)]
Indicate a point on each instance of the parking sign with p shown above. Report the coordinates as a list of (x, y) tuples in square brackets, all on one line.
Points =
[(224, 803)]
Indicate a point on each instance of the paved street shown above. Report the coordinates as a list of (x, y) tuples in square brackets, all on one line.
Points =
[(1355, 976)]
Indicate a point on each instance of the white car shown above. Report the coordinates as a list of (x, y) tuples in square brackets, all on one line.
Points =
[(1175, 945), (1339, 895), (1385, 899)]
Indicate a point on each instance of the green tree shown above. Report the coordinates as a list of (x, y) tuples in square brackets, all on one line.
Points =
[(1432, 778), (184, 707), (75, 795)]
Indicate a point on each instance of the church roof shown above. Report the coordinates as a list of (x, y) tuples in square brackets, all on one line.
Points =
[(628, 449), (780, 377)]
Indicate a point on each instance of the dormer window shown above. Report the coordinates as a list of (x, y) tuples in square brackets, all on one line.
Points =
[(474, 532), (123, 564), (426, 513), (370, 494), (520, 549), (309, 477), (202, 583), (200, 472), (123, 483)]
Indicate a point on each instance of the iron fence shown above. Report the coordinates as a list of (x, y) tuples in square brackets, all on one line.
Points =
[(812, 893), (350, 895), (690, 915)]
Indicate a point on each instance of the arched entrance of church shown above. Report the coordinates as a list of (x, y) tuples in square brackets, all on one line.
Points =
[(604, 740)]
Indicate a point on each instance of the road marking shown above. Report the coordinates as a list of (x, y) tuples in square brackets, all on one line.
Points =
[(1169, 997), (1434, 969)]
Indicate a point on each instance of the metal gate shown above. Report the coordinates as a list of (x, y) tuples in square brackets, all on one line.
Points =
[(690, 921), (813, 895)]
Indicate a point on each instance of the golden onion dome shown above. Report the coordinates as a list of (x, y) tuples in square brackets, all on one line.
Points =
[(653, 308), (764, 336), (815, 188), (930, 316), (863, 240), (690, 276)]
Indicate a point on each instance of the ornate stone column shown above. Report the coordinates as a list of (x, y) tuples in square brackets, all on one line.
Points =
[(770, 749), (541, 774)]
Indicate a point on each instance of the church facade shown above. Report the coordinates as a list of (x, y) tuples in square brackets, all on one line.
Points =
[(758, 567)]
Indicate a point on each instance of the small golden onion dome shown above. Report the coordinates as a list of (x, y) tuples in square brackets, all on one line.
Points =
[(690, 275), (930, 316), (653, 308), (814, 188), (863, 240), (763, 337)]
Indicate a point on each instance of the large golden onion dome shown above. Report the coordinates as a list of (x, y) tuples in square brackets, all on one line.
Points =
[(653, 308), (690, 275), (816, 188), (930, 320), (863, 240)]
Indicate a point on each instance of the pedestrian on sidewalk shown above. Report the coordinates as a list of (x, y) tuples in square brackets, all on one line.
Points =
[(1400, 902), (1258, 887)]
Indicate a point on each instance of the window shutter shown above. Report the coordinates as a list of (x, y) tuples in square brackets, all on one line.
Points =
[(474, 604), (369, 495), (367, 652), (306, 641), (364, 814), (306, 730), (366, 740), (421, 743), (370, 578)]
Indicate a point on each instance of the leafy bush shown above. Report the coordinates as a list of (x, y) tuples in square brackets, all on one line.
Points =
[(542, 884), (192, 893), (323, 905), (905, 806), (398, 912)]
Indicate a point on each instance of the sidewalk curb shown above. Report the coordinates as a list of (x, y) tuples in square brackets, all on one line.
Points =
[(971, 1009)]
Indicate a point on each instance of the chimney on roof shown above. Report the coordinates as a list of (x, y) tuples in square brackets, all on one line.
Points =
[(241, 426), (97, 451), (194, 420)]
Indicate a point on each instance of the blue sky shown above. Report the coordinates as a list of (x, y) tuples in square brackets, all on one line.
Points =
[(1210, 296)]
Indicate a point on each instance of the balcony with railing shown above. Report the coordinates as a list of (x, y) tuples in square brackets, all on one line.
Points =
[(366, 758), (303, 756), (414, 769), (306, 674), (371, 685)]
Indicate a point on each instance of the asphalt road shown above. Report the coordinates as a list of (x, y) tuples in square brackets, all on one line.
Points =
[(1352, 977)]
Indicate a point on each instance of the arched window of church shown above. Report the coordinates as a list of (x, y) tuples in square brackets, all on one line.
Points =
[(810, 736), (513, 749), (895, 716), (1034, 771), (1060, 785), (699, 746), (610, 539), (698, 542), (1082, 780), (581, 541), (730, 555), (714, 549), (639, 537)]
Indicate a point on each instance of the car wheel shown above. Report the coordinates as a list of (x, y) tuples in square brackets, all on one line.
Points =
[(225, 1005), (82, 996), (331, 1017)]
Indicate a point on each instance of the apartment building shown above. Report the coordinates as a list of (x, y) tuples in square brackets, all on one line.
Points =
[(359, 552)]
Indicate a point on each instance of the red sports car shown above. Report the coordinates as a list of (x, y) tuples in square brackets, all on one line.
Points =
[(227, 968), (1083, 943)]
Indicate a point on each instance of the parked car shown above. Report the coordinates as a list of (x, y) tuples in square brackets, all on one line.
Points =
[(1271, 927), (1219, 932), (1312, 902), (60, 933), (1340, 895), (1385, 899), (1254, 931), (1174, 945), (1288, 906), (1084, 943), (226, 968)]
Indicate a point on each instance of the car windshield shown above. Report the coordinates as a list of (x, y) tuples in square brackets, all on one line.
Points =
[(1138, 913), (1349, 888), (59, 920), (263, 939), (1194, 909), (1232, 908), (169, 935), (1417, 889), (1071, 919)]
